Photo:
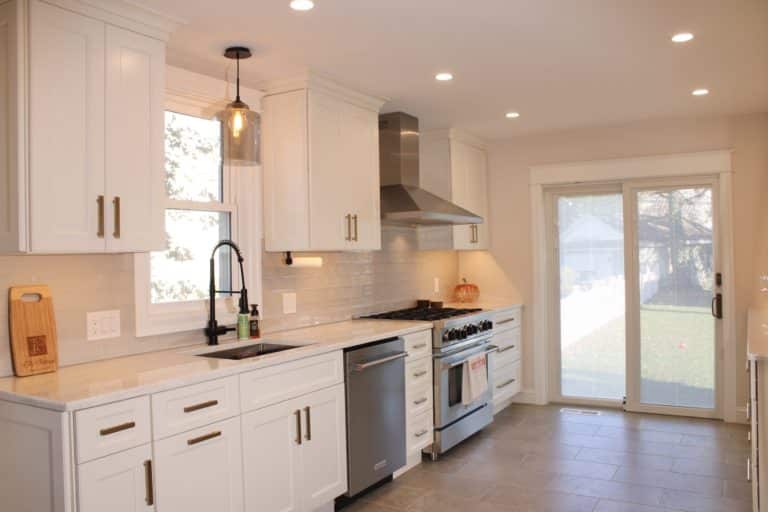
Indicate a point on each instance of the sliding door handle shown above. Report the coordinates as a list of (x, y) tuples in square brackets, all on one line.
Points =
[(717, 305)]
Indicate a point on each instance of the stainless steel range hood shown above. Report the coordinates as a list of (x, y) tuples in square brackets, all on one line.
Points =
[(402, 200)]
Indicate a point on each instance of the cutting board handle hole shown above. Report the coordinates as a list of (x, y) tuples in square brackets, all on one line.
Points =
[(31, 297)]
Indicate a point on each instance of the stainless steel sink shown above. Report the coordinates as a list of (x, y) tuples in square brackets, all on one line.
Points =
[(259, 349)]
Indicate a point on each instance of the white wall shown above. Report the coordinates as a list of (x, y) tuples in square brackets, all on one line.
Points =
[(507, 269)]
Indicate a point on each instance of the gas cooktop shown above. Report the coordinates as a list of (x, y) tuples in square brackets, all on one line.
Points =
[(428, 314)]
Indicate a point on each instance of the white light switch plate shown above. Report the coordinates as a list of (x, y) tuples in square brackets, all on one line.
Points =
[(102, 325), (436, 285), (289, 303)]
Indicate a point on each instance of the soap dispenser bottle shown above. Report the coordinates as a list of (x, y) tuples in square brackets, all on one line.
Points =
[(243, 320), (254, 328)]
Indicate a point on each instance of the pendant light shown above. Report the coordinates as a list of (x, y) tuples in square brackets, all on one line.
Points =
[(239, 124)]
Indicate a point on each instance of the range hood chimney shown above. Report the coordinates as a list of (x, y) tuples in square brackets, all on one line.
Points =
[(403, 202)]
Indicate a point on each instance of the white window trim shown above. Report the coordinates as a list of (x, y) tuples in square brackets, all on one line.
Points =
[(713, 163), (242, 196)]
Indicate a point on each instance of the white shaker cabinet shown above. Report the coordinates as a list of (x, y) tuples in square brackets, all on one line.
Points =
[(201, 470), (454, 166), (304, 440), (321, 169), (120, 482), (85, 125)]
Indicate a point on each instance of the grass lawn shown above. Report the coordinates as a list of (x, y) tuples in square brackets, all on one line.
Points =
[(677, 358)]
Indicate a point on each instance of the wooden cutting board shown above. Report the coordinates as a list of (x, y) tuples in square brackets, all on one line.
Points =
[(33, 330)]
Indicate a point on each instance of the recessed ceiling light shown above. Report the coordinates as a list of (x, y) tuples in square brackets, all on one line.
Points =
[(443, 77), (302, 5), (700, 92), (512, 115), (682, 37)]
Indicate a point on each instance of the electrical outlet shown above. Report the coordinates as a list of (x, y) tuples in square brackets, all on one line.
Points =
[(437, 285), (102, 325), (289, 303)]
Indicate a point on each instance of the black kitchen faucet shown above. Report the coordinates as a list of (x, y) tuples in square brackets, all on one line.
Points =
[(213, 331)]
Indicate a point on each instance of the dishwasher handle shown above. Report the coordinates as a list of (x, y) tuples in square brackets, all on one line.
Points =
[(376, 362)]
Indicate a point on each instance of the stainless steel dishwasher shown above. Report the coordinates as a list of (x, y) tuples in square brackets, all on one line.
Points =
[(375, 383)]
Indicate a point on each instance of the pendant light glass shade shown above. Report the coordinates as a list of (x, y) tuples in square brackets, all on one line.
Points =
[(240, 126), (240, 133)]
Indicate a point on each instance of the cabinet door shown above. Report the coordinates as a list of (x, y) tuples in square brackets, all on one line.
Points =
[(360, 138), (119, 483), (478, 194), (463, 235), (324, 450), (271, 458), (135, 86), (331, 183), (66, 115), (201, 470)]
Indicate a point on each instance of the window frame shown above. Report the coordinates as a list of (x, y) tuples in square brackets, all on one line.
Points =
[(172, 317)]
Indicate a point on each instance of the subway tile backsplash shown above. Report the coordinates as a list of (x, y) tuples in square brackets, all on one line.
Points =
[(348, 285)]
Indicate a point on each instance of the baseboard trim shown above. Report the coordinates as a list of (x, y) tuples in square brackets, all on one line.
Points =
[(526, 396)]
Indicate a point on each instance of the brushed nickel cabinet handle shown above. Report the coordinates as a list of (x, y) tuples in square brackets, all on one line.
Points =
[(505, 321), (421, 373), (420, 401), (510, 381), (206, 437), (148, 484), (354, 218), (204, 405), (421, 433), (116, 204), (420, 345), (100, 216), (308, 412), (506, 348), (298, 426), (117, 428)]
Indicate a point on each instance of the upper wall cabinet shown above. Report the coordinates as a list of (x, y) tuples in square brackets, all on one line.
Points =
[(321, 169), (83, 127), (454, 166)]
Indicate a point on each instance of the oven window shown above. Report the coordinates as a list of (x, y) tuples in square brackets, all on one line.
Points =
[(455, 380)]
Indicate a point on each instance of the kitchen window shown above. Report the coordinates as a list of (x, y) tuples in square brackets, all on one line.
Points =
[(205, 201), (198, 212)]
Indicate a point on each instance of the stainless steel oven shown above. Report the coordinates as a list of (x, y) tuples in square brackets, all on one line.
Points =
[(455, 421)]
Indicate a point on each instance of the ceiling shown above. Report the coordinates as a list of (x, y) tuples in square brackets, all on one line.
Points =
[(561, 63)]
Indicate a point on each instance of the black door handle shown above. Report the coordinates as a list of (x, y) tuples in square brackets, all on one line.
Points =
[(717, 305)]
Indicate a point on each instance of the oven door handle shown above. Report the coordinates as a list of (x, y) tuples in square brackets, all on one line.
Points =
[(491, 349), (368, 364)]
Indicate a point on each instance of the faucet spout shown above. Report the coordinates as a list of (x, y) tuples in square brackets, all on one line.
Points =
[(213, 330)]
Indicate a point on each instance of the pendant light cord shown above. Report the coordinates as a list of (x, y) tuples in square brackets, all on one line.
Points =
[(238, 77)]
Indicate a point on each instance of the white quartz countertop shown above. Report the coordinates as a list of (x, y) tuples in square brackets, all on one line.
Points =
[(97, 383), (757, 334)]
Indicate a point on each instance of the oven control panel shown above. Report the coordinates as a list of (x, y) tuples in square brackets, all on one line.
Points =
[(467, 330)]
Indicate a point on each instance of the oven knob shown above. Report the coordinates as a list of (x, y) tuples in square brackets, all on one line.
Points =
[(448, 335), (451, 334), (473, 329), (463, 333)]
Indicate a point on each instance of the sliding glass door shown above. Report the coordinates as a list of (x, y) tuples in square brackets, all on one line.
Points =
[(591, 310), (635, 293), (674, 333)]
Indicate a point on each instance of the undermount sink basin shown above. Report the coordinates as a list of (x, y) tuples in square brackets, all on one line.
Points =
[(256, 350)]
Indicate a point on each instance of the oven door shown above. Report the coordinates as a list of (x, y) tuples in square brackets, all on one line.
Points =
[(449, 377)]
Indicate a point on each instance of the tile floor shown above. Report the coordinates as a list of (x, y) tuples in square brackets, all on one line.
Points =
[(537, 459)]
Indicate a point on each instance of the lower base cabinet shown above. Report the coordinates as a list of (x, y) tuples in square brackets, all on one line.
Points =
[(117, 483), (201, 470), (294, 453)]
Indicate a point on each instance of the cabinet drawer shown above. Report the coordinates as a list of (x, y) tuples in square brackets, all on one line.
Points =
[(418, 344), (418, 373), (506, 381), (267, 386), (112, 428), (509, 347), (507, 319), (194, 406), (418, 400), (419, 432)]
